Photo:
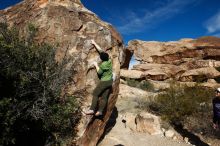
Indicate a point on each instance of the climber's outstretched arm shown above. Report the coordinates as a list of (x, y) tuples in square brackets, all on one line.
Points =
[(97, 46)]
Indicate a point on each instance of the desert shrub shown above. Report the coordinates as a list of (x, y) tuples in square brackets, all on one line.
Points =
[(144, 85), (180, 102), (132, 82), (32, 109), (200, 78), (217, 68), (218, 78), (147, 104)]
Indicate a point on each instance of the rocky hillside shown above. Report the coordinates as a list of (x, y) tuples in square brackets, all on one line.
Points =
[(129, 125), (186, 60), (69, 26)]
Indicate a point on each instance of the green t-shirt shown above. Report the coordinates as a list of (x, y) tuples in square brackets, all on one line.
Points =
[(105, 70)]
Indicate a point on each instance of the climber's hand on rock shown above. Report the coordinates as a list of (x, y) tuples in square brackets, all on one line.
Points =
[(92, 42), (91, 64), (95, 63)]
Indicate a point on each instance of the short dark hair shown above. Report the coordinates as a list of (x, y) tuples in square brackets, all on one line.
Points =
[(104, 56)]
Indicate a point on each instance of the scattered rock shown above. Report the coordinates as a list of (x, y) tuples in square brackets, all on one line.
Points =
[(129, 119), (174, 138), (211, 81), (148, 123), (169, 133), (186, 139)]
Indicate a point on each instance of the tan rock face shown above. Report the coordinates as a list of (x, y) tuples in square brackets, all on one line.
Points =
[(147, 51), (132, 74), (160, 71), (132, 92), (69, 26), (183, 60), (142, 122), (206, 73)]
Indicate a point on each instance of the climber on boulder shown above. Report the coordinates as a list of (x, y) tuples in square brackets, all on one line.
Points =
[(103, 88)]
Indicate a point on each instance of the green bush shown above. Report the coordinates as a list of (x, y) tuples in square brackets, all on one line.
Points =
[(132, 82), (217, 68), (200, 78), (144, 85), (31, 82), (180, 102), (218, 78)]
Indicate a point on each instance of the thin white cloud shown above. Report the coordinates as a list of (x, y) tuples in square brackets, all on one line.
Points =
[(213, 24), (135, 23)]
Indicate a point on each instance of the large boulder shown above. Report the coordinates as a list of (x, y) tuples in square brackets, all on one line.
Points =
[(150, 51), (174, 52), (142, 122), (185, 60), (69, 26), (148, 123), (160, 71)]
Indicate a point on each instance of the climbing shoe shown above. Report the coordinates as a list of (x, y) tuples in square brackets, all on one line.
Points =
[(98, 113), (89, 112)]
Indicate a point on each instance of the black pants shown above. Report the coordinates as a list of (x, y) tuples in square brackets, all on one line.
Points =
[(102, 89)]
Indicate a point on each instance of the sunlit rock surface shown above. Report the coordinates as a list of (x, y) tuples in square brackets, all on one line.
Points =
[(186, 60)]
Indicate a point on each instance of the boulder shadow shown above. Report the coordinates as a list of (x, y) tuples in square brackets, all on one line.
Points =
[(110, 124), (193, 139)]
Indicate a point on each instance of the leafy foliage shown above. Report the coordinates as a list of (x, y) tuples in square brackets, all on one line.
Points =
[(31, 83)]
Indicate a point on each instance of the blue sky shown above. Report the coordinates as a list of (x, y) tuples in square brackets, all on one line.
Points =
[(159, 20)]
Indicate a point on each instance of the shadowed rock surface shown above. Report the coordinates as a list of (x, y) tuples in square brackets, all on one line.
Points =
[(68, 25)]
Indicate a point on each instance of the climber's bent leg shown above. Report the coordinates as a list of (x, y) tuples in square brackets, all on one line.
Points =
[(104, 100), (100, 88)]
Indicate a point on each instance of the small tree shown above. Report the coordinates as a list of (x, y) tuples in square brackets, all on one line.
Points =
[(31, 84)]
